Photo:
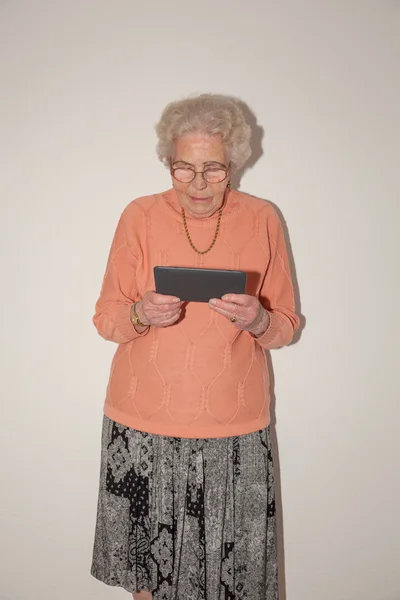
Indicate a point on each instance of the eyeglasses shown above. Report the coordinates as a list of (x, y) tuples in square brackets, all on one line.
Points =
[(210, 174)]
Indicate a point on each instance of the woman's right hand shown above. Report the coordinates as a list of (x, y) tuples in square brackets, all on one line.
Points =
[(158, 310)]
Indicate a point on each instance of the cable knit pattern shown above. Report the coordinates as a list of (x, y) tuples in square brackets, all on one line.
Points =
[(201, 377)]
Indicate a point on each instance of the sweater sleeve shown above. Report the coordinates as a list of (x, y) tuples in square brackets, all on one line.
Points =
[(118, 292), (276, 293)]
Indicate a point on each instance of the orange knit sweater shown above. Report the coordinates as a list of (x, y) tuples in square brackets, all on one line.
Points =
[(201, 377)]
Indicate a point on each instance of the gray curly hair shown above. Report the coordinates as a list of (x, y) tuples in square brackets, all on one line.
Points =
[(212, 114)]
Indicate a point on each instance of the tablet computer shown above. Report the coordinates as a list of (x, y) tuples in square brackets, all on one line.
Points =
[(198, 285)]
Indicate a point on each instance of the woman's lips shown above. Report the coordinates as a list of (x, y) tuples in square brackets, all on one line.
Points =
[(195, 199)]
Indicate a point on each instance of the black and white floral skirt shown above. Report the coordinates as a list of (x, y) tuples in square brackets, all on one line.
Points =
[(186, 519)]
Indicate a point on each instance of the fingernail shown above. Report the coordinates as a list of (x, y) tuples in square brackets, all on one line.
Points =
[(213, 302), (176, 300)]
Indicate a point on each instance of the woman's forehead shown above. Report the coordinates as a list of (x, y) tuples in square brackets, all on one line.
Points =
[(199, 148)]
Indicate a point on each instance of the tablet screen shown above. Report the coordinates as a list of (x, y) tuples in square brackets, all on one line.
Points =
[(198, 285)]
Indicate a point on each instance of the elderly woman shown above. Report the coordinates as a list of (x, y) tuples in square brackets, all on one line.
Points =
[(186, 505)]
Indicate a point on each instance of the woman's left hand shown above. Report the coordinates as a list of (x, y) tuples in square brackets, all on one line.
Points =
[(245, 312)]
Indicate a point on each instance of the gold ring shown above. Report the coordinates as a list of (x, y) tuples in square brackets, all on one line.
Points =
[(233, 319)]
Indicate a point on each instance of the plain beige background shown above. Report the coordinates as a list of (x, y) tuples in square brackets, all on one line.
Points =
[(82, 84)]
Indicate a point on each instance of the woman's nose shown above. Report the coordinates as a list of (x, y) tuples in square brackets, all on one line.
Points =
[(199, 182)]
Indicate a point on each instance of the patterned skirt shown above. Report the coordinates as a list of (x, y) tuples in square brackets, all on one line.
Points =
[(187, 519)]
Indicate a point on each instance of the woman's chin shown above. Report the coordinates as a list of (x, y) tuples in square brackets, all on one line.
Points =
[(201, 208)]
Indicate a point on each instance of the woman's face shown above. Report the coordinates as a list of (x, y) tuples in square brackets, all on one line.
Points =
[(198, 151)]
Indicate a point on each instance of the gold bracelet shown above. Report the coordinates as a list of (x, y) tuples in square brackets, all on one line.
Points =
[(135, 317)]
